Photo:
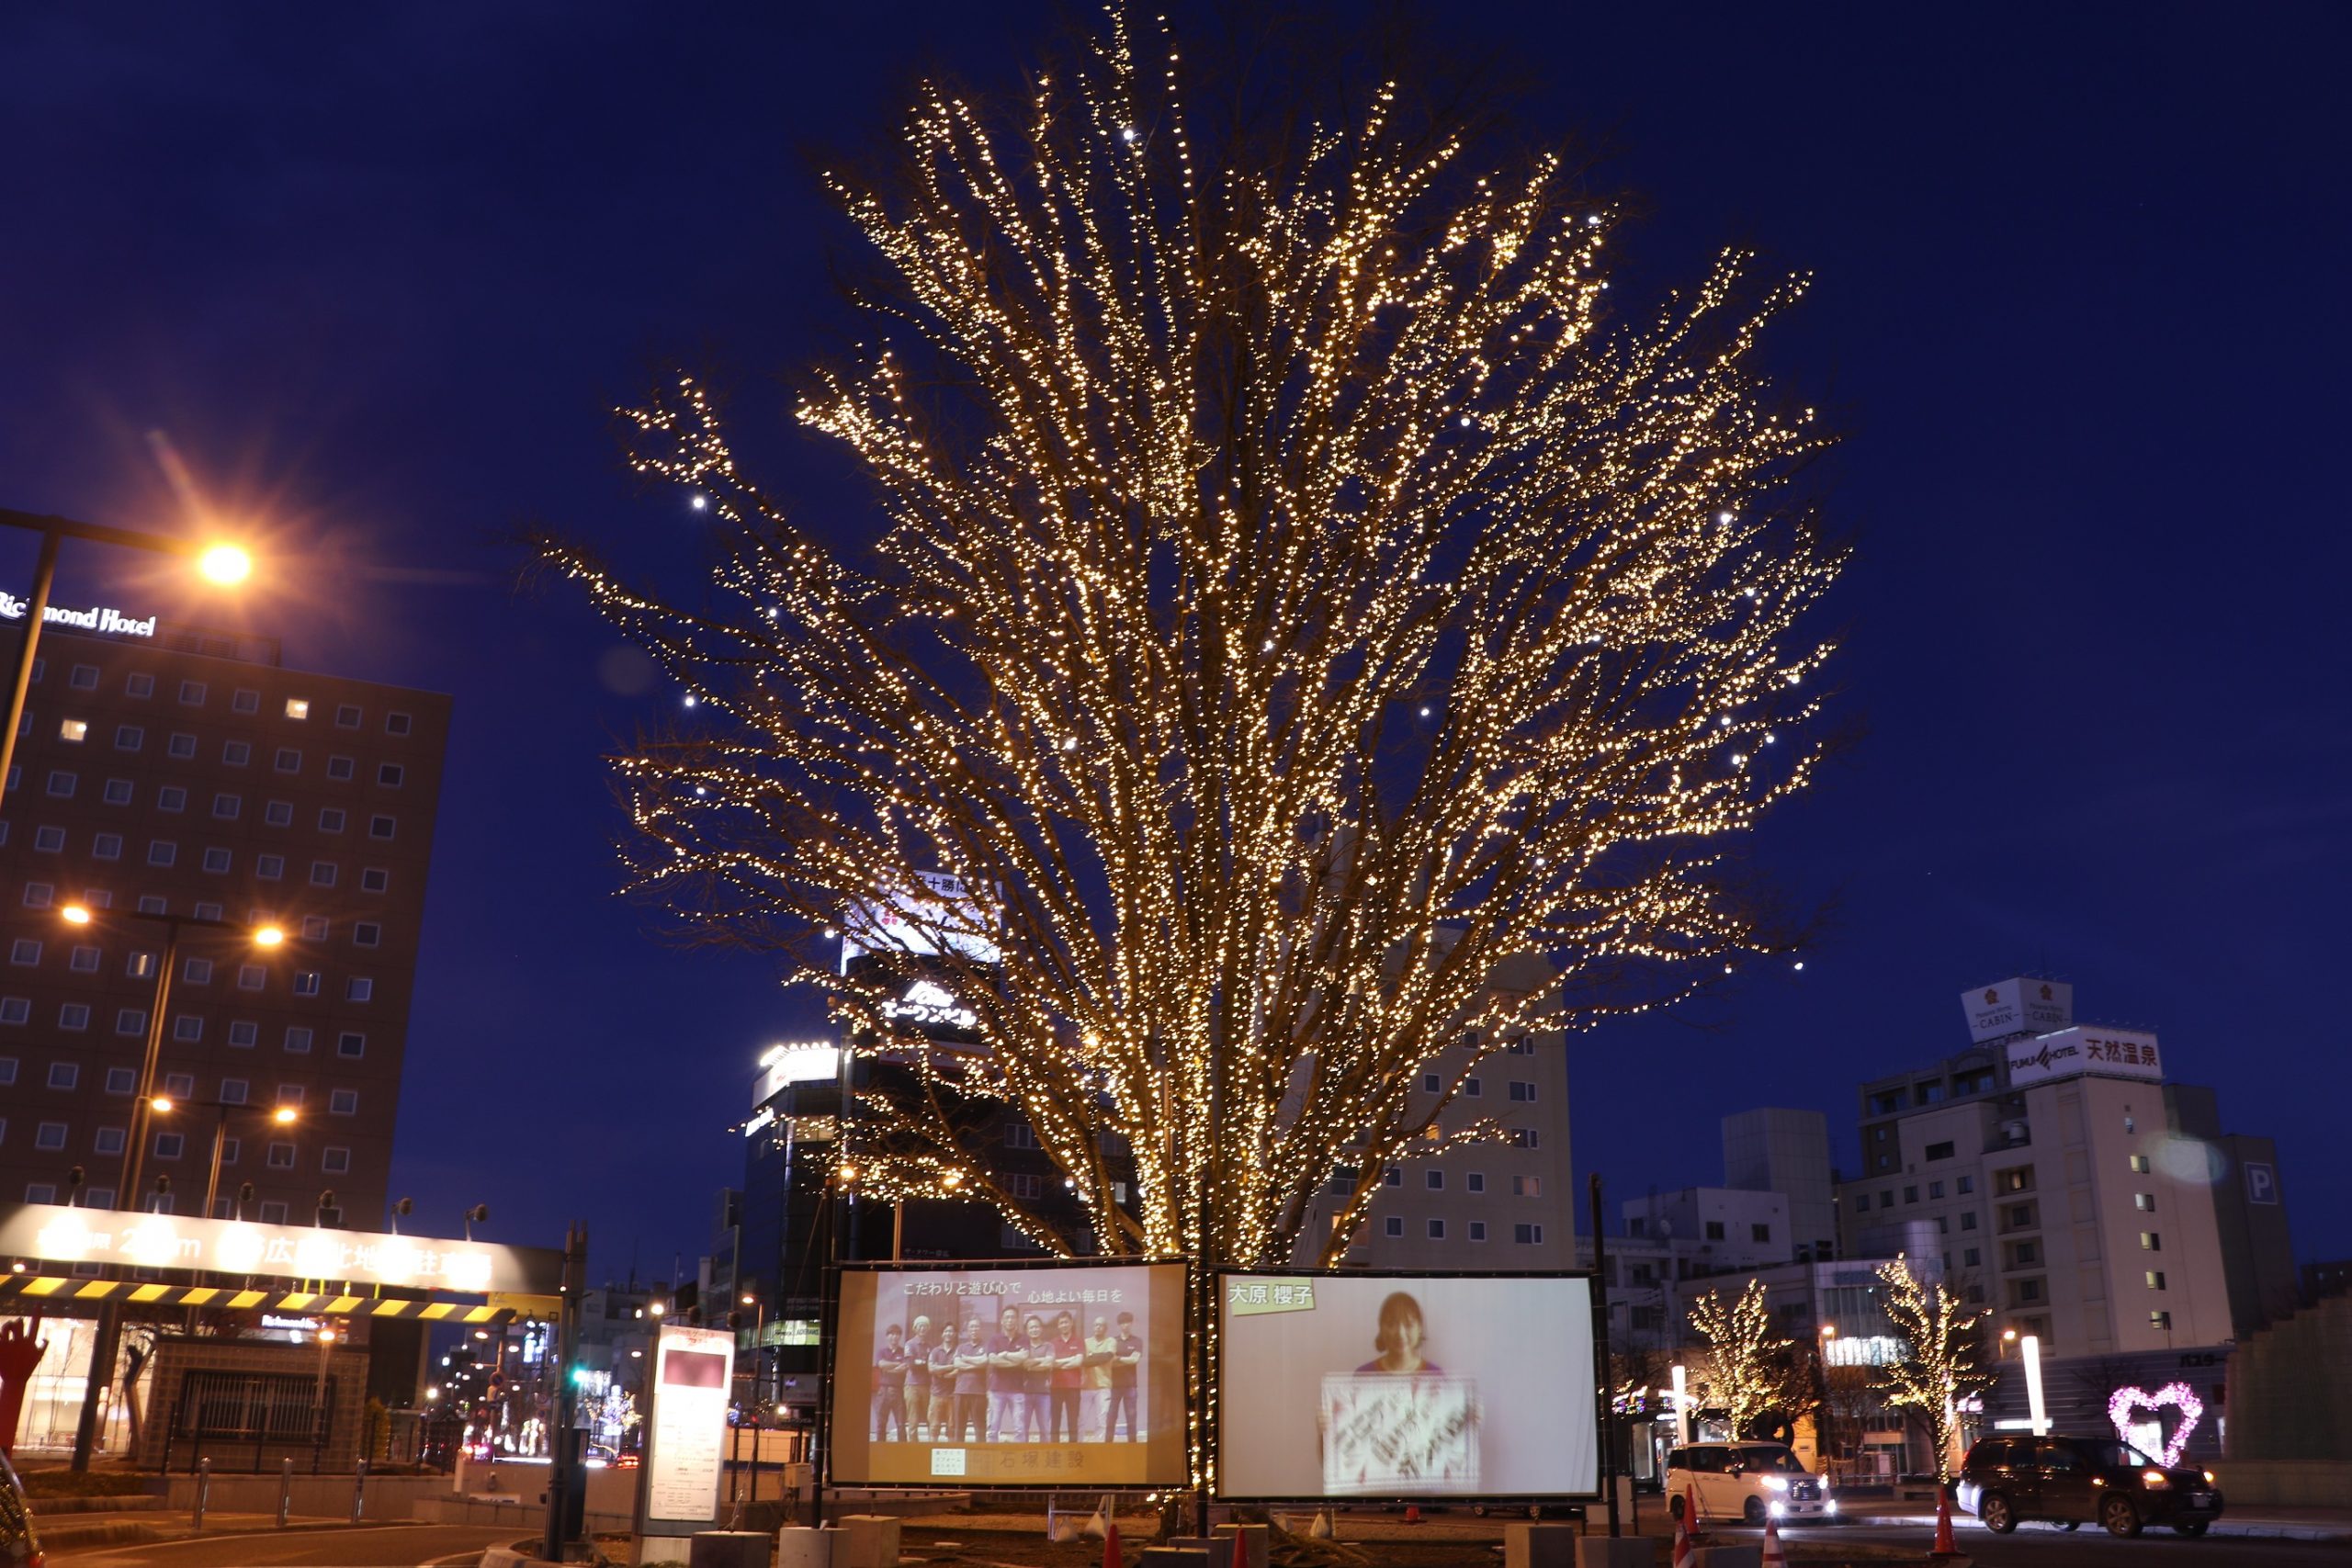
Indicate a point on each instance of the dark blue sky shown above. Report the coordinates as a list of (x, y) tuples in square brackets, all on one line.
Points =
[(2080, 304)]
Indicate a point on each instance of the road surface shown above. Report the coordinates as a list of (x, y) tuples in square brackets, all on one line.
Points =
[(364, 1546)]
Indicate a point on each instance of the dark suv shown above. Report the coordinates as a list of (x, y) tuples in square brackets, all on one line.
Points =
[(2071, 1480)]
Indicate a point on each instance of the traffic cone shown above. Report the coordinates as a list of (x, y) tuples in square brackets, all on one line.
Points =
[(1683, 1547), (1111, 1547), (1773, 1556), (1412, 1513), (1945, 1545), (1691, 1508), (1321, 1529)]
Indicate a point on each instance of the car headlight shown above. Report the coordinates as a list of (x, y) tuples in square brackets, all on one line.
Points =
[(2155, 1480), (1779, 1510), (1830, 1507), (2209, 1478), (1775, 1483)]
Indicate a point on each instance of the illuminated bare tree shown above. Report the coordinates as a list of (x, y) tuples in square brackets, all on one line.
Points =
[(1940, 1364), (1749, 1370), (1300, 595)]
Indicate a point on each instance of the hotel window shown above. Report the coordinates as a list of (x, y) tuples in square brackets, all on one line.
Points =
[(86, 960), (232, 1091), (192, 694), (336, 1161), (106, 846), (109, 1141), (1963, 1185), (73, 730), (344, 1102), (2160, 1320), (237, 753), (227, 806), (1434, 1180), (2150, 1241), (1394, 1225), (289, 1094), (278, 814), (98, 899), (119, 792), (1862, 1202), (131, 1021), (1714, 1230), (1759, 1233), (269, 868), (64, 1074), (389, 776), (1394, 1175), (121, 1080), (1477, 1230), (281, 1157), (367, 933), (230, 1149), (2144, 1202), (8, 1071), (298, 708), (216, 861), (16, 1009), (2155, 1279), (396, 724), (323, 873), (251, 976), (297, 1041), (196, 971), (1533, 1187), (179, 1085), (1437, 1230), (346, 716), (314, 928), (50, 1135), (247, 699), (374, 879), (39, 894), (1972, 1257), (1527, 1236), (129, 736), (1525, 1138), (384, 827), (340, 767), (244, 1035), (84, 678), (1431, 1082), (61, 784), (288, 760), (161, 852), (350, 1042), (188, 1026), (2139, 1164), (74, 1015), (171, 798), (1935, 1190), (331, 819), (1520, 1090), (273, 1212), (1475, 1181), (182, 746), (1911, 1194), (25, 950), (138, 685)]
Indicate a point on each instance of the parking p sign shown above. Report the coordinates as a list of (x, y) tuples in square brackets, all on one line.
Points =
[(2261, 1182)]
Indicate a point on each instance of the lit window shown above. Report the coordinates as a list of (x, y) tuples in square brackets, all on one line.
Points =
[(2151, 1242), (2144, 1202), (2155, 1279), (2160, 1320), (75, 729), (2140, 1165), (298, 708), (1533, 1187)]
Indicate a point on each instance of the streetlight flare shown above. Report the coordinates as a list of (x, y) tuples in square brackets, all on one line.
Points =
[(75, 915), (225, 564), (284, 1115), (269, 936), (161, 1103)]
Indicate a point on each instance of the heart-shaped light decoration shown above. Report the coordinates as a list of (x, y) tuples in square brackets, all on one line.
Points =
[(2123, 1400)]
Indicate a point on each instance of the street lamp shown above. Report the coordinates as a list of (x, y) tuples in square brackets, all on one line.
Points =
[(282, 1116), (224, 564), (109, 1329)]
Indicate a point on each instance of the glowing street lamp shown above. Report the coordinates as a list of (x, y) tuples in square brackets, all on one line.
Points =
[(281, 1115)]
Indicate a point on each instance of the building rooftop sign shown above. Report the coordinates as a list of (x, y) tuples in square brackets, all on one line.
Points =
[(2090, 1049), (2022, 1006), (97, 618), (54, 1233)]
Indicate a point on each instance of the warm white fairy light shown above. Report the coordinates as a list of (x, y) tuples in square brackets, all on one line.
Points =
[(1197, 467), (1939, 1365), (1749, 1369)]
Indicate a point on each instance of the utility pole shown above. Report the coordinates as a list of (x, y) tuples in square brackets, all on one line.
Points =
[(564, 1474), (1600, 1340)]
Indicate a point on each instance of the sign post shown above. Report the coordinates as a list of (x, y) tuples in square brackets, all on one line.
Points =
[(686, 1391)]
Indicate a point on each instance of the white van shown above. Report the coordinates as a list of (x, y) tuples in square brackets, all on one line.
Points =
[(1748, 1482)]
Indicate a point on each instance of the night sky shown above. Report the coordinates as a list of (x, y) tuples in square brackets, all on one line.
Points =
[(377, 278)]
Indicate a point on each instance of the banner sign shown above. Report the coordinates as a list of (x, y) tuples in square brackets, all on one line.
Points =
[(694, 1373), (2087, 1048), (55, 1233), (2022, 1006)]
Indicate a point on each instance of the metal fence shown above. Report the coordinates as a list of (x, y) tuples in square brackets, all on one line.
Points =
[(218, 1412)]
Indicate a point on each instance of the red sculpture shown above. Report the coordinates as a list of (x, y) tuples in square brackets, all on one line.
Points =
[(19, 1354)]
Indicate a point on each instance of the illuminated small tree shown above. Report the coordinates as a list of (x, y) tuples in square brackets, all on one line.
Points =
[(1300, 598), (1748, 1366), (1941, 1350)]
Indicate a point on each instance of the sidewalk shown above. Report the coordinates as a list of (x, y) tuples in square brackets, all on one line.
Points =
[(80, 1530), (2263, 1522)]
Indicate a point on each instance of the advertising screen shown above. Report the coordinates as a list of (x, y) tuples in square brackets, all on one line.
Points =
[(1066, 1375), (1360, 1385)]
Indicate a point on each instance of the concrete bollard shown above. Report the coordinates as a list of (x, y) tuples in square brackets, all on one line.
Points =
[(798, 1546), (871, 1540), (1613, 1551), (1530, 1545), (203, 1492), (285, 1494), (1256, 1542)]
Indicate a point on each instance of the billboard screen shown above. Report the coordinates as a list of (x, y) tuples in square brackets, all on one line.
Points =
[(1060, 1374), (1364, 1386)]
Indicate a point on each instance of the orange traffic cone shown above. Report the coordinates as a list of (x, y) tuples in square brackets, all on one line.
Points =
[(1111, 1547), (1412, 1513), (1945, 1545), (1683, 1547), (1691, 1507), (1773, 1556)]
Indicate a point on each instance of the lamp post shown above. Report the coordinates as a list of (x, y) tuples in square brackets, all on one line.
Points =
[(283, 1116), (223, 564), (109, 1327)]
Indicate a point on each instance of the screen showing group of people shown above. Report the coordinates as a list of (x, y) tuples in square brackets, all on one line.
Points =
[(1067, 1374)]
